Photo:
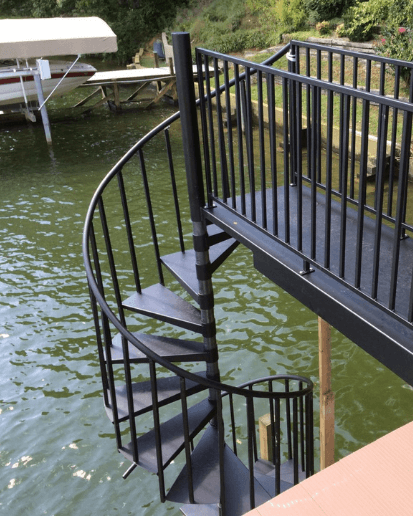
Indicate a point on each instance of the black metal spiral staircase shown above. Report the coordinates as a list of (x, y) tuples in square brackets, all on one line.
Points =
[(150, 391)]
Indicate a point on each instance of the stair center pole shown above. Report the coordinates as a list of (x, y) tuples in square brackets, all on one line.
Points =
[(193, 166)]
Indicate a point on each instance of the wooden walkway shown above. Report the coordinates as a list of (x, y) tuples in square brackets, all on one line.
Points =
[(110, 82), (373, 481)]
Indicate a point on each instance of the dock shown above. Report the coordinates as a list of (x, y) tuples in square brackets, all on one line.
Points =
[(109, 84), (375, 480)]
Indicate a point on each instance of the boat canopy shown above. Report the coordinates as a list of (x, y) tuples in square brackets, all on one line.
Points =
[(38, 37)]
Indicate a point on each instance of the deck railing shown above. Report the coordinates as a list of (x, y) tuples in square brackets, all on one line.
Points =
[(309, 129)]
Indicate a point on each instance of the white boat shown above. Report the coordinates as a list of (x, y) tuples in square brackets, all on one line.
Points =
[(27, 41), (16, 89)]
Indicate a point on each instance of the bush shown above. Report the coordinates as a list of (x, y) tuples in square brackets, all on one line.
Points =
[(320, 10), (397, 43), (323, 28), (341, 31), (362, 19)]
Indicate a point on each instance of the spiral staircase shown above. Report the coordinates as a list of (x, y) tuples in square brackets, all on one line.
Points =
[(164, 412)]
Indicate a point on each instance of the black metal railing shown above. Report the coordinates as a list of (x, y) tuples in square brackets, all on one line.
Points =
[(122, 219), (306, 180)]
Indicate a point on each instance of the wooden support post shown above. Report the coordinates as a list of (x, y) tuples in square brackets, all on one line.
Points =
[(116, 95), (326, 395), (264, 427), (171, 66)]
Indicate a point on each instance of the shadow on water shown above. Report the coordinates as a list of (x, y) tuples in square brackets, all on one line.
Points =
[(57, 452)]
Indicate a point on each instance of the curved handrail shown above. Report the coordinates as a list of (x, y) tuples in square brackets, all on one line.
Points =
[(208, 383)]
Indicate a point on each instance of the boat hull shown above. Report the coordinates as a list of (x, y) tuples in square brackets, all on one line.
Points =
[(11, 91)]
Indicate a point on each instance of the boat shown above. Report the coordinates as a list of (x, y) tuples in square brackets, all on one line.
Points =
[(16, 90), (26, 42)]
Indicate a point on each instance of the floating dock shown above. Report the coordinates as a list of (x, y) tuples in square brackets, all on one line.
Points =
[(375, 480)]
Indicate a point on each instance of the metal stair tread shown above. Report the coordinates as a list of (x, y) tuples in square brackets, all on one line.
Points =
[(174, 350), (264, 472), (161, 303), (168, 392), (209, 509), (183, 267), (172, 437), (205, 467)]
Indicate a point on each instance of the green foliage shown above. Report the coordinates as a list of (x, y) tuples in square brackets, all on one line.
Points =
[(362, 19), (397, 34), (324, 28), (292, 14), (134, 22), (320, 10)]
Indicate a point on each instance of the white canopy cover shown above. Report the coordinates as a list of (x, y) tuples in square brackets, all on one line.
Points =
[(39, 37)]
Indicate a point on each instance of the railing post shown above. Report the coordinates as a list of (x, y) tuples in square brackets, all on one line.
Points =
[(189, 122), (193, 165)]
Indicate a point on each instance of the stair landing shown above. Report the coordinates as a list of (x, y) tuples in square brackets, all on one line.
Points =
[(378, 332)]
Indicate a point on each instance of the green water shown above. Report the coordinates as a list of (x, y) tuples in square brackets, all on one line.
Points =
[(57, 452)]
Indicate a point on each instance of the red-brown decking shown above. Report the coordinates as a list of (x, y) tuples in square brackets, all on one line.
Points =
[(375, 480)]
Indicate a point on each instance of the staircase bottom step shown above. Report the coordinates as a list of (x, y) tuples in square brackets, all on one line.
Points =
[(206, 479), (264, 472), (212, 509)]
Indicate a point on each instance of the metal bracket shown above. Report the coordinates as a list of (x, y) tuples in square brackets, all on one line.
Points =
[(291, 57), (129, 471)]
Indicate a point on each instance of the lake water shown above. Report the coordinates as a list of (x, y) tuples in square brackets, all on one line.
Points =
[(57, 452)]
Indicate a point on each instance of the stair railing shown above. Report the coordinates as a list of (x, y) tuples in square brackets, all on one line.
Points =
[(306, 108)]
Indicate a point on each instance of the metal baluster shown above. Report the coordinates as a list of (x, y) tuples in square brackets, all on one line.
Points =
[(211, 128), (251, 434), (401, 201), (329, 176), (288, 418), (309, 126), (302, 439), (353, 129), (204, 126), (344, 176), (363, 180), (262, 151), (379, 198), (393, 143), (277, 446), (273, 153), (234, 436), (381, 92), (313, 250), (174, 190), (342, 74), (129, 232), (230, 136), (221, 445), (221, 137), (157, 430), (239, 95), (250, 143), (318, 144), (151, 218), (295, 440), (286, 163), (185, 423)]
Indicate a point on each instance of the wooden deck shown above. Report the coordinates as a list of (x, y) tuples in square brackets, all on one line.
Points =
[(375, 480), (110, 82)]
